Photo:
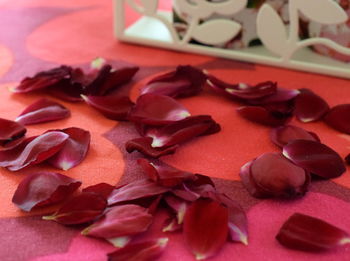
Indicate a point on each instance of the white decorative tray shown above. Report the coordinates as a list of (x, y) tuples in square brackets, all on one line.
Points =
[(281, 44)]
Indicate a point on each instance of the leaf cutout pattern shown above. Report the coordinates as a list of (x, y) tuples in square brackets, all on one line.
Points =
[(323, 11), (271, 30), (229, 7), (216, 31)]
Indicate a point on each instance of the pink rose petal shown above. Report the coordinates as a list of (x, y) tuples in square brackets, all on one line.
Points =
[(263, 116), (339, 118), (10, 131), (43, 110), (315, 157), (43, 189)]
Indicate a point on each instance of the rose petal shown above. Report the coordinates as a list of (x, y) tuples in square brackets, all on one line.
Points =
[(10, 131), (103, 189), (178, 205), (309, 106), (155, 109), (112, 107), (308, 233), (183, 82), (171, 225), (339, 118), (263, 116), (347, 159), (120, 221), (43, 189), (205, 227), (143, 251), (74, 150), (284, 134), (315, 157), (280, 96), (79, 209), (43, 110)]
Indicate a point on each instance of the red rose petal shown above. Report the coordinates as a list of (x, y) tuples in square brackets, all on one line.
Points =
[(10, 131), (315, 157), (102, 189), (309, 106), (135, 190), (43, 110), (183, 82), (205, 227), (308, 233), (143, 251), (120, 221), (155, 109), (263, 116), (171, 225), (43, 189), (284, 134), (339, 118), (347, 159), (178, 205), (74, 150), (112, 107), (80, 209), (280, 96)]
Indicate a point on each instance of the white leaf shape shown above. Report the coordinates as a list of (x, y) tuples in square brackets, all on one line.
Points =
[(228, 7), (271, 30), (323, 11), (217, 31)]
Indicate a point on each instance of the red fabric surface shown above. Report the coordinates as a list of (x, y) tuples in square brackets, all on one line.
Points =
[(41, 34)]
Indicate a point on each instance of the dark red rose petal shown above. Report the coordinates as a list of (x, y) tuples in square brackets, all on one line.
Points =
[(43, 189), (144, 146), (347, 159), (10, 131), (74, 150), (80, 209), (136, 190), (183, 82), (309, 106), (155, 109), (143, 251), (102, 189), (112, 107), (121, 221), (43, 110), (178, 205), (339, 118), (205, 227), (308, 233), (284, 134), (280, 96), (315, 157)]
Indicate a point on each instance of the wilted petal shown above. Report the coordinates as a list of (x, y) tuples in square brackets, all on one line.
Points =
[(80, 209), (339, 118), (144, 146), (308, 233), (205, 227), (43, 189), (284, 134), (183, 82), (43, 110), (155, 109), (143, 251), (74, 150), (309, 106), (315, 157), (112, 107), (102, 189), (10, 131)]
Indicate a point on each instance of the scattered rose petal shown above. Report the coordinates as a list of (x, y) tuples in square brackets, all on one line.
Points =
[(183, 82), (171, 225), (280, 96), (80, 209), (43, 110), (155, 109), (43, 189), (309, 106), (284, 134), (12, 144), (102, 189), (119, 241), (315, 157), (308, 233), (112, 107), (205, 227), (143, 251), (178, 205), (10, 131), (263, 116), (121, 221), (74, 150), (339, 118), (347, 159)]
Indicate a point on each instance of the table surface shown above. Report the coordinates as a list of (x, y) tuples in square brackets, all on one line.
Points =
[(40, 34)]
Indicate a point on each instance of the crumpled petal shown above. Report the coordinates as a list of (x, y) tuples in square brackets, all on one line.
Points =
[(339, 118), (43, 110), (263, 116), (315, 157), (308, 233), (10, 131), (112, 107), (74, 150), (183, 82), (43, 189)]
